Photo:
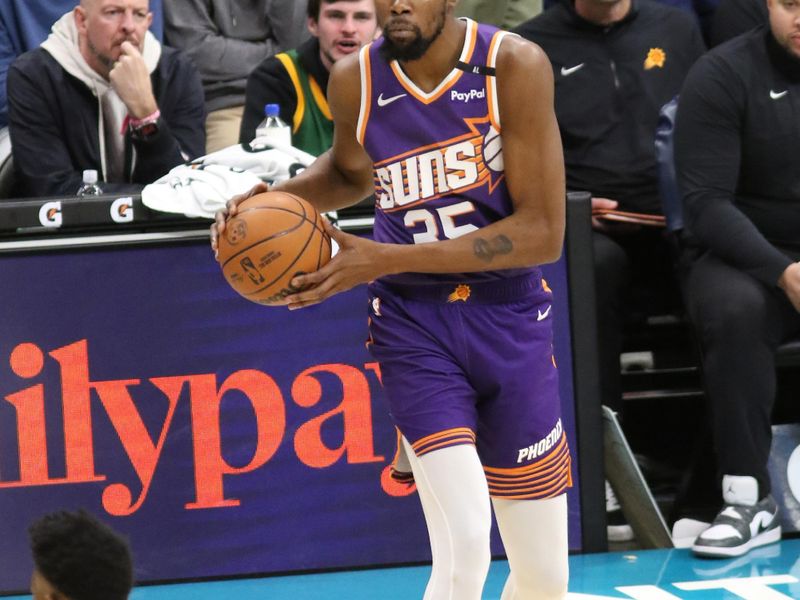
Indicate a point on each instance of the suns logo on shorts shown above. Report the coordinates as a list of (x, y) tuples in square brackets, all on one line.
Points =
[(460, 294), (451, 166)]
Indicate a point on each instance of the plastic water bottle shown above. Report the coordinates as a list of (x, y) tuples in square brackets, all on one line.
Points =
[(89, 186), (273, 128)]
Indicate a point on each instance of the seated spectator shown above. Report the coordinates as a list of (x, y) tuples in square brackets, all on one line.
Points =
[(76, 557), (735, 17), (227, 40), (297, 80), (102, 93), (738, 169), (24, 24), (500, 13), (615, 64)]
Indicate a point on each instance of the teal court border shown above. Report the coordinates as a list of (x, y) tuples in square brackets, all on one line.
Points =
[(767, 573)]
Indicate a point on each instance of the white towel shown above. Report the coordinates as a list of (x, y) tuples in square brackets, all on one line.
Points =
[(202, 187)]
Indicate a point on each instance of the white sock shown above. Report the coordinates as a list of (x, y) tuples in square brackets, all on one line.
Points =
[(534, 535), (455, 499)]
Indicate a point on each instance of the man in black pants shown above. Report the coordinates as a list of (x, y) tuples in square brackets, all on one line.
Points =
[(736, 149), (616, 63)]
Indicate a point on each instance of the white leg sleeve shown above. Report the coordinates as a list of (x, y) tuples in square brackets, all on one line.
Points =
[(455, 500), (534, 535)]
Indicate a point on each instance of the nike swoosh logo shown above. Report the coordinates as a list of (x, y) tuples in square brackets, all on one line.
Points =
[(775, 95), (765, 521), (543, 315), (569, 71), (384, 101)]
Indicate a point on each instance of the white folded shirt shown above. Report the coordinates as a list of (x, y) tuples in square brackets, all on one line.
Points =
[(202, 187)]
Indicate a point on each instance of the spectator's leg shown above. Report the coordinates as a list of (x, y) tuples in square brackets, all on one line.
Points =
[(739, 323), (222, 128), (612, 278)]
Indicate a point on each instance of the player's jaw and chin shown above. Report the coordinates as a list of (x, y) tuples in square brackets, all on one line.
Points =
[(403, 40)]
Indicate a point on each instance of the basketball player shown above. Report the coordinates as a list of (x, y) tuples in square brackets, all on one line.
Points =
[(460, 319)]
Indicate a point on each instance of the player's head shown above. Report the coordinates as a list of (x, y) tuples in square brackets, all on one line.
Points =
[(104, 24), (78, 558), (784, 20), (342, 26), (411, 26)]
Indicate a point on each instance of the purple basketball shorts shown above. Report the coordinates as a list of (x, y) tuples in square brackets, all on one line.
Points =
[(473, 364)]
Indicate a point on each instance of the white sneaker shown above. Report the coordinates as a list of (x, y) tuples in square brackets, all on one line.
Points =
[(742, 524), (686, 530)]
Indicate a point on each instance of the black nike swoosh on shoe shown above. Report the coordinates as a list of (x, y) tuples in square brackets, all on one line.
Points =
[(762, 528)]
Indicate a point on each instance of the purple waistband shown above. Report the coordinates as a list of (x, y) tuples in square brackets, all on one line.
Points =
[(495, 291)]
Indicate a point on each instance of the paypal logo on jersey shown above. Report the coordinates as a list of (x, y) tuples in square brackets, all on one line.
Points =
[(465, 97)]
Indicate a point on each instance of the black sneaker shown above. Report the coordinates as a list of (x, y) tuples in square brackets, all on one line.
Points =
[(617, 528), (739, 528)]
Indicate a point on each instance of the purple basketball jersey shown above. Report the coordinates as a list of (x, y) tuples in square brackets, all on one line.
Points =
[(468, 361), (437, 155)]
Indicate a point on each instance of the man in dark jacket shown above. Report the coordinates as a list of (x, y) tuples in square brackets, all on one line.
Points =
[(102, 93), (24, 24), (737, 136), (616, 63), (297, 80)]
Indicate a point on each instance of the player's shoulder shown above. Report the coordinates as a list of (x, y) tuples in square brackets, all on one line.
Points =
[(518, 55), (347, 68), (344, 85)]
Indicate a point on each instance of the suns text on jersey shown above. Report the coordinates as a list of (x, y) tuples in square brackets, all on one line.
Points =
[(430, 172)]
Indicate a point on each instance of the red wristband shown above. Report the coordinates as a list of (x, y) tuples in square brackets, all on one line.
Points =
[(137, 123)]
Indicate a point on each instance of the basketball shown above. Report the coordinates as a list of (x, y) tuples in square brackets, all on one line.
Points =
[(273, 237)]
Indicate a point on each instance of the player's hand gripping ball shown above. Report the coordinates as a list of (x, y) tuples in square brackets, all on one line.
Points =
[(273, 237)]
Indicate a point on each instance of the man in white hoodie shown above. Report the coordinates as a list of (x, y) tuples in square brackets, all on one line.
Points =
[(102, 93)]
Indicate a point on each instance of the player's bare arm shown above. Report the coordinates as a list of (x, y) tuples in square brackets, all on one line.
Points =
[(532, 154), (534, 168), (338, 178), (342, 176)]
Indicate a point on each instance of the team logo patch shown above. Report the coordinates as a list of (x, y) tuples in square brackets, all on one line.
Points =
[(460, 294), (656, 57)]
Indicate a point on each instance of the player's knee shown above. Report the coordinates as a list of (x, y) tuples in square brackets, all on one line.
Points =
[(471, 557), (541, 585), (472, 544)]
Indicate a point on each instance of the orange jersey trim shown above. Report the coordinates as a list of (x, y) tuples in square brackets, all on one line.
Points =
[(366, 93), (444, 439), (560, 446), (452, 77), (546, 478), (491, 82)]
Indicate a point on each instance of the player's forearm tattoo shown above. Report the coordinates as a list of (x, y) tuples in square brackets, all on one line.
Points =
[(486, 250)]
